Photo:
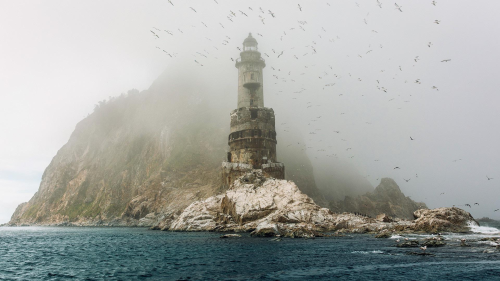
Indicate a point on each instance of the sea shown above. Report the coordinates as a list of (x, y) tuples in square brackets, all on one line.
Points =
[(88, 253)]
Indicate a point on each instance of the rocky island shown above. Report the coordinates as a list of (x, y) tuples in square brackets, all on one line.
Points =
[(153, 159), (270, 207)]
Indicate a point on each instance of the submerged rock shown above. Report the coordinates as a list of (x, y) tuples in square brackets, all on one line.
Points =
[(384, 234), (434, 243), (409, 244), (420, 254)]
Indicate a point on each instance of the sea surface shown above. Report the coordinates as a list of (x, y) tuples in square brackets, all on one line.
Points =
[(60, 253)]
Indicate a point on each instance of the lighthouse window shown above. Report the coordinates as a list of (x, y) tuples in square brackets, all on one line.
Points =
[(253, 114)]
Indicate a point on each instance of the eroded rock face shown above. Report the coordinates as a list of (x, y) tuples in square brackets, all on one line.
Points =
[(256, 203), (443, 220), (387, 198), (269, 207)]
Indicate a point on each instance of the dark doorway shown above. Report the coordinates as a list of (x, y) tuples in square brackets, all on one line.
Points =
[(253, 114)]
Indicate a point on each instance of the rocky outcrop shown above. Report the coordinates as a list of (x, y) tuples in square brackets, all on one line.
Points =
[(269, 207), (442, 220), (387, 199)]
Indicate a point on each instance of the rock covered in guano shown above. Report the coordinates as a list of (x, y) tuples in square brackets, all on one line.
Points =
[(268, 207)]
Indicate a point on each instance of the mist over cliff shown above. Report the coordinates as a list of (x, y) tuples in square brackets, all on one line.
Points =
[(152, 153)]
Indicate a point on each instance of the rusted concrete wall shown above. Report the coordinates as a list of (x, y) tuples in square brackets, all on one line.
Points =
[(252, 118), (274, 170)]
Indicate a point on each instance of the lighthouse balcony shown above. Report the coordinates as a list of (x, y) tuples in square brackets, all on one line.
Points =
[(252, 85)]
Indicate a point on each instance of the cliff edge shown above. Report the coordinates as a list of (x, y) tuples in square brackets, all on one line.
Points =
[(387, 198)]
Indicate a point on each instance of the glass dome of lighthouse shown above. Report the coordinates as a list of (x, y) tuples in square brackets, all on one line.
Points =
[(250, 44)]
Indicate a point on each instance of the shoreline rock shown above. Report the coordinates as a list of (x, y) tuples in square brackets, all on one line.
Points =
[(268, 207)]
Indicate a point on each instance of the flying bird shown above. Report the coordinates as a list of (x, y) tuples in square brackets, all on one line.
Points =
[(271, 13), (437, 21), (468, 205), (300, 8), (489, 178), (447, 60), (154, 34), (398, 7), (193, 9), (396, 168), (170, 2)]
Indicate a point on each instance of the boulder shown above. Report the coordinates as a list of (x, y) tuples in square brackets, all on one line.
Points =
[(443, 220), (409, 244), (265, 229), (384, 234), (384, 218), (433, 243)]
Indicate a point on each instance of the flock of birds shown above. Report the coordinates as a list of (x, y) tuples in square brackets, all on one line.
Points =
[(284, 76)]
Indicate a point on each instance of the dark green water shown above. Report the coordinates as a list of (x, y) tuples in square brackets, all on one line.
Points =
[(41, 253)]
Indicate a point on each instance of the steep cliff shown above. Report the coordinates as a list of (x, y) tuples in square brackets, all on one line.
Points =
[(143, 157), (387, 199)]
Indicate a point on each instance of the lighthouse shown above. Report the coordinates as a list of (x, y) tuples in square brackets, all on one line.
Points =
[(252, 139)]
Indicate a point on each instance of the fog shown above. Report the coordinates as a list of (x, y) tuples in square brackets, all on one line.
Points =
[(367, 86)]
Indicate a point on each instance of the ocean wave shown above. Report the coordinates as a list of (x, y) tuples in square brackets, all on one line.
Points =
[(367, 252), (483, 229)]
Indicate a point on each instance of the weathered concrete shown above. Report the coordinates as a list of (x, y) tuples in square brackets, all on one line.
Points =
[(252, 140), (250, 81)]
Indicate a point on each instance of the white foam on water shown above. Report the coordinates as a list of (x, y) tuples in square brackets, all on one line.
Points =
[(396, 236), (483, 229), (367, 252)]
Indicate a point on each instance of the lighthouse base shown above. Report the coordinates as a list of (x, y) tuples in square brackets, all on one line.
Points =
[(232, 171)]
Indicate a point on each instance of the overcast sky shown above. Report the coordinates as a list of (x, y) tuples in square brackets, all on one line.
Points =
[(355, 78)]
